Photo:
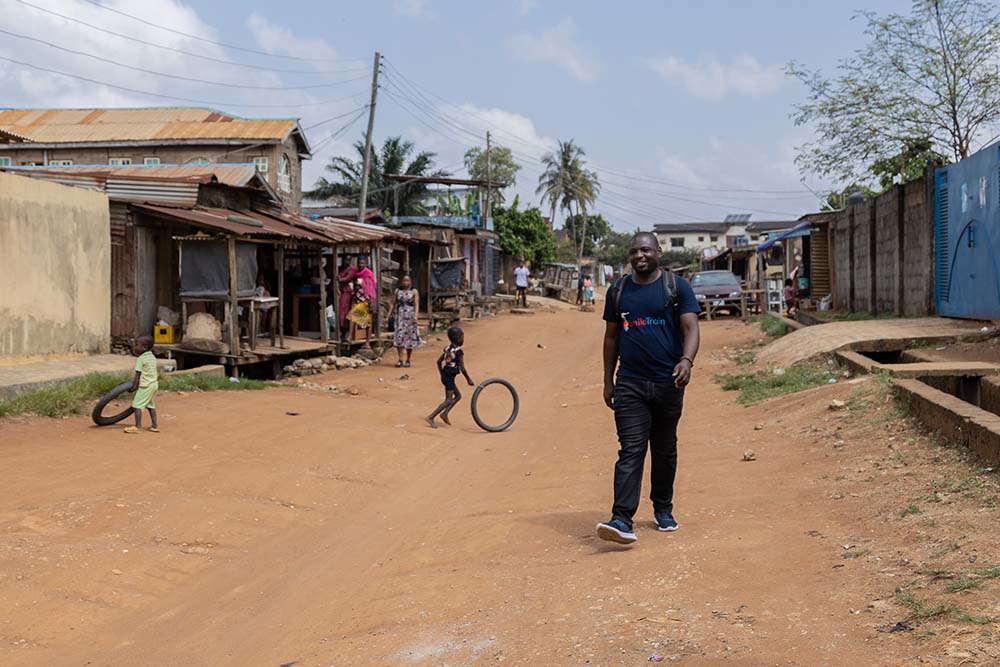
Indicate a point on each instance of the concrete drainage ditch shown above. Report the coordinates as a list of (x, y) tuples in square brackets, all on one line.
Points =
[(960, 399)]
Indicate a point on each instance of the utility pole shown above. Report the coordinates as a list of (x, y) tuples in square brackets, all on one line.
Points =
[(366, 162), (489, 178)]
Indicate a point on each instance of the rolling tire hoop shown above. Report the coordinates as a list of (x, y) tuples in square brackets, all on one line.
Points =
[(98, 413), (513, 414)]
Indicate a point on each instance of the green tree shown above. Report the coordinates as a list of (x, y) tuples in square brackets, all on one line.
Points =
[(838, 200), (395, 157), (503, 168), (908, 165), (555, 182), (566, 182), (597, 229), (930, 76), (524, 233), (614, 248)]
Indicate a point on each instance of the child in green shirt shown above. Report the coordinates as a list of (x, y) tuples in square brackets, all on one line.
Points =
[(145, 384)]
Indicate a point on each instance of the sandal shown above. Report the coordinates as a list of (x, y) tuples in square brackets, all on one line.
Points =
[(407, 364), (399, 364), (131, 429), (153, 429)]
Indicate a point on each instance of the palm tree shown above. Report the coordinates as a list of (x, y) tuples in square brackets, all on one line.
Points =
[(566, 182), (384, 194)]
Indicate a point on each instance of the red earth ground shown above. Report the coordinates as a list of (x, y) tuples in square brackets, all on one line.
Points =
[(353, 535)]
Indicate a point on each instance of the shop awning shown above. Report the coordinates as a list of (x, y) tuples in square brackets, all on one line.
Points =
[(801, 229)]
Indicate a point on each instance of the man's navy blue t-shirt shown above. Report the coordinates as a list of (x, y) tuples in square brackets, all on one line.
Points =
[(650, 340)]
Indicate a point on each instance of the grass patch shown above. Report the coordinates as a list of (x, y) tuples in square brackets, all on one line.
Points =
[(772, 326), (210, 383), (966, 617), (964, 583), (757, 386), (946, 549), (924, 608), (63, 399), (76, 396), (909, 509), (744, 357)]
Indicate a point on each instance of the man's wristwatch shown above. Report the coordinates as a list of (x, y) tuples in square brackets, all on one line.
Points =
[(688, 359)]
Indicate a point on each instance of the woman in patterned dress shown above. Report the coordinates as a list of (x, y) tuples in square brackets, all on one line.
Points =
[(405, 305)]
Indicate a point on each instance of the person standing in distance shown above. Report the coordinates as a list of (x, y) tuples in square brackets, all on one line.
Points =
[(521, 274), (652, 337)]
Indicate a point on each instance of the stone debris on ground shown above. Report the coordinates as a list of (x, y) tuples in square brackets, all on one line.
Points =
[(837, 404), (318, 365), (749, 455)]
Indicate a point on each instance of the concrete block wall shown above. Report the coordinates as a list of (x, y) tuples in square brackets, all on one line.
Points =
[(55, 268), (887, 244), (883, 253), (864, 228), (918, 249)]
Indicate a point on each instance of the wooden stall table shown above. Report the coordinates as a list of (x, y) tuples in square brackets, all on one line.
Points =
[(266, 304)]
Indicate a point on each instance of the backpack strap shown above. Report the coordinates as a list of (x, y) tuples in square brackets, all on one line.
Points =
[(616, 296)]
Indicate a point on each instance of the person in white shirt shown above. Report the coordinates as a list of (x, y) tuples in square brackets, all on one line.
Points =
[(521, 285)]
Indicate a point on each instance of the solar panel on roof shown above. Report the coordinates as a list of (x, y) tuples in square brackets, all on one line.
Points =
[(736, 218)]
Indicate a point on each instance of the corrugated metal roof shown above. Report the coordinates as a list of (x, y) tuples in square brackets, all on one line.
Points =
[(155, 124), (152, 190), (227, 220), (229, 174)]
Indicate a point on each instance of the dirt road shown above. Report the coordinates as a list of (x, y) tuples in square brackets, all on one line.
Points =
[(353, 535)]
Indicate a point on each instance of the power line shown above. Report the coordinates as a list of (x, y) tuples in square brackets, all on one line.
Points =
[(343, 128), (415, 90), (171, 97), (211, 41), (188, 53), (333, 118), (177, 76)]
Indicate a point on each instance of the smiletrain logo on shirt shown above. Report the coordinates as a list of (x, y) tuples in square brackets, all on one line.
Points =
[(641, 322)]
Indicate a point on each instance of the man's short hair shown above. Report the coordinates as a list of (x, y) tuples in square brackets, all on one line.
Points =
[(651, 235)]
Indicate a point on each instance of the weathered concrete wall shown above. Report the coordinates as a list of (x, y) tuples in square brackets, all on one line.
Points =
[(918, 249), (863, 278), (887, 244), (840, 258), (883, 253), (55, 268)]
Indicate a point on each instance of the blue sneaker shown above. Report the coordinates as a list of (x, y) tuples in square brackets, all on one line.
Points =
[(616, 530), (665, 522)]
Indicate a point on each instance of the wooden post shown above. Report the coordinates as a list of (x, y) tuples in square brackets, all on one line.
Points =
[(324, 327), (335, 281), (366, 161), (430, 288), (281, 295), (234, 328)]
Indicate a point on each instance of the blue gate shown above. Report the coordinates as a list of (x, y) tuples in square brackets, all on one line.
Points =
[(967, 236)]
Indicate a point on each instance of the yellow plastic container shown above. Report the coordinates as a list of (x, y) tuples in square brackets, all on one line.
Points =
[(165, 335)]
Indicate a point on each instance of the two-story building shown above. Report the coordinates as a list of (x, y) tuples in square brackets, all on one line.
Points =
[(734, 231), (156, 136)]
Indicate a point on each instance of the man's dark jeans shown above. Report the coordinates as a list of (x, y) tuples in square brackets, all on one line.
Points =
[(646, 414)]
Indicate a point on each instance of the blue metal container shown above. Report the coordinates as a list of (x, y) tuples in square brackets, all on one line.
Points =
[(967, 236)]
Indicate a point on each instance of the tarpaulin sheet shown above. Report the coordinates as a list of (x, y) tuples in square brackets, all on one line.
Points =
[(205, 269), (447, 274)]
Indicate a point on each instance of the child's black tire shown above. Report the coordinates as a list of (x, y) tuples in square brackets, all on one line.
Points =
[(513, 414), (97, 414)]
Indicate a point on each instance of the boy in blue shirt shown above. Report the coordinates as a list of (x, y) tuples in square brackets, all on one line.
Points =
[(652, 337)]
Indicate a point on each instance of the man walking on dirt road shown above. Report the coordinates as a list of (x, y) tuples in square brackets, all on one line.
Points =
[(652, 337)]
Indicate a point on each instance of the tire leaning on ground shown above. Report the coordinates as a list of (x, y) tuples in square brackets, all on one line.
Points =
[(98, 413), (513, 414)]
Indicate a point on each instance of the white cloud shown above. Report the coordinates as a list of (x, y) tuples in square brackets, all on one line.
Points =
[(280, 40), (712, 80), (26, 87), (412, 8), (558, 46)]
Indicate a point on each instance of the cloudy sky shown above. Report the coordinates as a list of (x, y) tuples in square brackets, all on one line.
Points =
[(682, 107)]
